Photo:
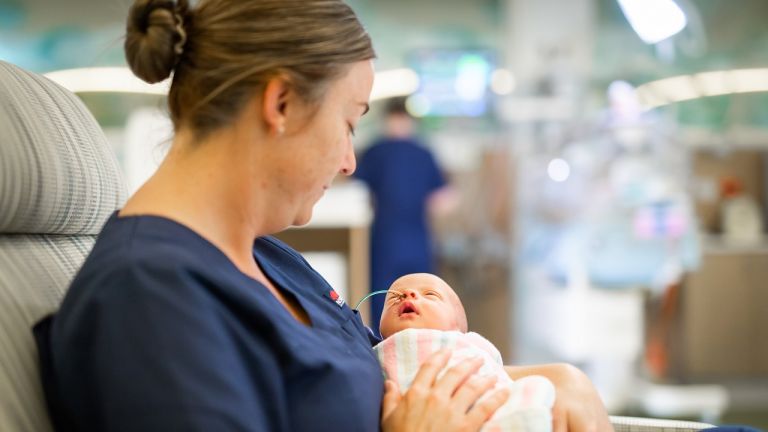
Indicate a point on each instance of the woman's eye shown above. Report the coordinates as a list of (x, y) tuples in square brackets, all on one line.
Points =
[(351, 129)]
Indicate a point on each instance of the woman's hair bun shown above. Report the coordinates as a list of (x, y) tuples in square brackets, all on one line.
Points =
[(155, 37)]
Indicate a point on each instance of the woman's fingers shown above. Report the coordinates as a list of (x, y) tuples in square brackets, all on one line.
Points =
[(453, 379), (471, 391), (484, 409), (427, 374), (452, 402), (391, 399)]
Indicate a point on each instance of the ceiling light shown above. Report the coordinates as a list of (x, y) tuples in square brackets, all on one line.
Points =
[(654, 20), (502, 82), (106, 79), (393, 83), (558, 170), (714, 83)]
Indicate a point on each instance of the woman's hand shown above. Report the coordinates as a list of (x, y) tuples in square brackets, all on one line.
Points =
[(445, 404), (578, 407)]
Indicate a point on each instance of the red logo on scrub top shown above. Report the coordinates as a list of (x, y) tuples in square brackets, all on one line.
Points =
[(335, 297)]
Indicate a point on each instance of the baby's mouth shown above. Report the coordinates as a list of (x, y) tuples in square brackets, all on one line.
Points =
[(407, 307)]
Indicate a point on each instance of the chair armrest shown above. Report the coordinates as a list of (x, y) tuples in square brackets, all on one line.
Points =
[(636, 424)]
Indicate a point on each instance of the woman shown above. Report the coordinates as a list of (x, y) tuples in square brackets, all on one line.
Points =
[(187, 315)]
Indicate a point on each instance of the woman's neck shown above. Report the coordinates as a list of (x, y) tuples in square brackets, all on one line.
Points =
[(199, 186)]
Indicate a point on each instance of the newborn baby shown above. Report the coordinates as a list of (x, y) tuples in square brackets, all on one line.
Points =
[(422, 315)]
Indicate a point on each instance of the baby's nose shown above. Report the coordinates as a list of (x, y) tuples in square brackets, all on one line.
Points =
[(409, 293)]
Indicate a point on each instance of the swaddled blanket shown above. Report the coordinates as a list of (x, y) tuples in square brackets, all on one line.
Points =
[(529, 407)]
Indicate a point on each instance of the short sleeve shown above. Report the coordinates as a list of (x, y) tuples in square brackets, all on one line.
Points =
[(187, 373), (372, 338)]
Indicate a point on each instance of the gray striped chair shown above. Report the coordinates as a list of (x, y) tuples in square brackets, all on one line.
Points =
[(59, 182)]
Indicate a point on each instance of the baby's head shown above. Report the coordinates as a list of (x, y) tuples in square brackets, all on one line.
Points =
[(421, 300)]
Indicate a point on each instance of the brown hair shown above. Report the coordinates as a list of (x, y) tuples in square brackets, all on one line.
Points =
[(222, 51)]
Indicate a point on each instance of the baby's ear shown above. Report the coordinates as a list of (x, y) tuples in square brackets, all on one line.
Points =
[(461, 315)]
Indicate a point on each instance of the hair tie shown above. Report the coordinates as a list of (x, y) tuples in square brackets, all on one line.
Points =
[(178, 47)]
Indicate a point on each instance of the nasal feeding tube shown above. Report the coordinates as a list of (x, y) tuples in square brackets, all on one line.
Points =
[(400, 295)]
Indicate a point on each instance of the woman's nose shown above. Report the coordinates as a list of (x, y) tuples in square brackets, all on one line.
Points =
[(349, 164)]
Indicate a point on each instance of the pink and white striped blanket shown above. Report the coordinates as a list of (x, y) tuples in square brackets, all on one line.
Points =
[(529, 407)]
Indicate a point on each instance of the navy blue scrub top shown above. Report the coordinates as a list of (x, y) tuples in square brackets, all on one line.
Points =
[(161, 332)]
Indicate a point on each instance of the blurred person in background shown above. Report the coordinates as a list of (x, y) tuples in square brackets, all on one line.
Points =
[(406, 185)]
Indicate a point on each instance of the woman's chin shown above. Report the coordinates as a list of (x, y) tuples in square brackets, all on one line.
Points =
[(303, 218)]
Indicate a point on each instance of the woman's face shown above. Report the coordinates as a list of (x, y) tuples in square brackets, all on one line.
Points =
[(316, 147)]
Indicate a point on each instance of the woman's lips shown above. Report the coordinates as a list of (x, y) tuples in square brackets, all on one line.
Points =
[(407, 307)]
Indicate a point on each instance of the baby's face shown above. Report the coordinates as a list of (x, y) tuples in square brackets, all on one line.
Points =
[(421, 300)]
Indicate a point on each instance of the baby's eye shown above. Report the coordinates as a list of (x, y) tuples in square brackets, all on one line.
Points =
[(432, 293)]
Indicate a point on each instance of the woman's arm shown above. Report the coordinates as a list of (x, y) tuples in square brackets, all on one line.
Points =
[(578, 407)]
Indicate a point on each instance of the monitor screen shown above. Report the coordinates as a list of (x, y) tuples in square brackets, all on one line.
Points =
[(452, 82)]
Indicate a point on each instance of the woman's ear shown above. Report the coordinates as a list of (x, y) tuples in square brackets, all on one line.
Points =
[(275, 105)]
